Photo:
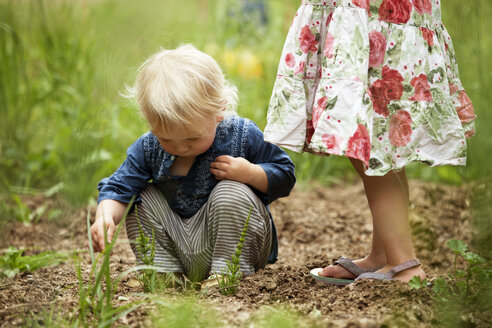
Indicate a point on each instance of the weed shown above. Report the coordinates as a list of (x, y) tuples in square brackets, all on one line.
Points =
[(464, 295), (230, 277), (12, 206), (18, 211), (146, 252), (151, 280), (14, 262), (95, 306), (468, 283), (417, 283)]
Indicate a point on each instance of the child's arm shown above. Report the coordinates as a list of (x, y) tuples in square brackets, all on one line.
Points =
[(108, 215), (266, 167), (117, 191), (240, 169)]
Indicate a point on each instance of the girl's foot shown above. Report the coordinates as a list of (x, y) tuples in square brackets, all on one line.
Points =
[(338, 271)]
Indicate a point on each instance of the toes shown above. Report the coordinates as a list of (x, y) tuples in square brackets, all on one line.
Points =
[(326, 272), (336, 271)]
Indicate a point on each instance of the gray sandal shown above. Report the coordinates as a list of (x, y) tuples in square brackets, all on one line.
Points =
[(346, 263), (391, 273)]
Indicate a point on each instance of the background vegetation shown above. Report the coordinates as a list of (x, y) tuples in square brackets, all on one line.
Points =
[(64, 63)]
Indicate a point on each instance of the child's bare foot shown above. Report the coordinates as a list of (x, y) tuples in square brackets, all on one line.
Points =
[(338, 271)]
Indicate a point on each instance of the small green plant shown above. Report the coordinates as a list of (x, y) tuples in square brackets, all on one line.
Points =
[(417, 283), (95, 308), (146, 252), (230, 277), (151, 280), (14, 262), (17, 210), (468, 283), (464, 295)]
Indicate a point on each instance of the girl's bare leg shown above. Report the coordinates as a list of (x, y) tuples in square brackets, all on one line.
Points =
[(388, 200), (377, 255)]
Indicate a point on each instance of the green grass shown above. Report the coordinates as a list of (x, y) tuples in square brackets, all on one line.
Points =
[(187, 311), (96, 295), (51, 98)]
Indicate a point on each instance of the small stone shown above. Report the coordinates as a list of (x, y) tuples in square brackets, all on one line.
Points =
[(133, 283), (270, 286)]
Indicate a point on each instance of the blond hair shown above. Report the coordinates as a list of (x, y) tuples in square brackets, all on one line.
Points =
[(180, 87)]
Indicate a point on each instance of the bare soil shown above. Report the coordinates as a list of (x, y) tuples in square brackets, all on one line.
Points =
[(314, 225)]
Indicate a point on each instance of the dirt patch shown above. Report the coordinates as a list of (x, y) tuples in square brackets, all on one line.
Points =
[(314, 227)]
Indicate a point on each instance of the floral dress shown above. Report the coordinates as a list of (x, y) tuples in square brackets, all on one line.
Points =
[(375, 80)]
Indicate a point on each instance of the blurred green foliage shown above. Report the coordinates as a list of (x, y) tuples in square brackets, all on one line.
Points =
[(14, 261), (462, 299)]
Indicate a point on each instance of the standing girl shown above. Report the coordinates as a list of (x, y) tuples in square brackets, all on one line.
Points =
[(375, 81)]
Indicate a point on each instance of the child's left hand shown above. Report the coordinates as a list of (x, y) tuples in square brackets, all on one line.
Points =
[(241, 170)]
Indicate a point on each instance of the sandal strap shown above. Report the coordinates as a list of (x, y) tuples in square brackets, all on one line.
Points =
[(402, 267), (373, 275), (350, 266)]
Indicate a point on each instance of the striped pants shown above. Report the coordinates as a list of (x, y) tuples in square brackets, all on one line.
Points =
[(199, 246)]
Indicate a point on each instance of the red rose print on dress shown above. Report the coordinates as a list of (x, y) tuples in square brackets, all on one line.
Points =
[(328, 50), (395, 11), (379, 102), (307, 40), (469, 134), (332, 142), (290, 60), (400, 130), (377, 43), (318, 110), (422, 89), (428, 35), (465, 111), (362, 4), (423, 6), (388, 88), (453, 88), (300, 68), (359, 145), (393, 80)]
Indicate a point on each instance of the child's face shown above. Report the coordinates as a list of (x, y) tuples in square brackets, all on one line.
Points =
[(189, 141)]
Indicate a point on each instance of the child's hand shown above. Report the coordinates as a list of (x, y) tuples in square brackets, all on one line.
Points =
[(231, 168), (108, 214), (97, 232), (241, 170)]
